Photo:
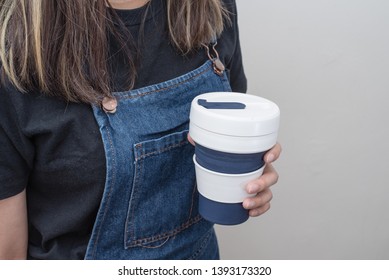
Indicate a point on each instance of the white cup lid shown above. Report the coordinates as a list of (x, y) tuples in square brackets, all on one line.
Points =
[(235, 114)]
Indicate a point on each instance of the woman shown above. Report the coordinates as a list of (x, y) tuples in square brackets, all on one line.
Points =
[(94, 155)]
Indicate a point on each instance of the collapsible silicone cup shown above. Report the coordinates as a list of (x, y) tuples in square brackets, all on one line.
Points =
[(232, 132)]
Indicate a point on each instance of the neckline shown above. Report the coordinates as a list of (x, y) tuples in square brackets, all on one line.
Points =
[(120, 5), (136, 16)]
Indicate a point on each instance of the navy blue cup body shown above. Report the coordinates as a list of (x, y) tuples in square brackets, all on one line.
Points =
[(227, 163)]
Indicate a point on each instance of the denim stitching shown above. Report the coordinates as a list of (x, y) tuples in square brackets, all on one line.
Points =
[(206, 239), (158, 246), (157, 152), (139, 168), (127, 96), (173, 232), (193, 195), (109, 193)]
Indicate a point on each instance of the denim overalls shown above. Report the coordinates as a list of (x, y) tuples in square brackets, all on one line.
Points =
[(149, 207)]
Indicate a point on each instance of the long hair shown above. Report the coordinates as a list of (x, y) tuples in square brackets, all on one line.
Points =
[(62, 47)]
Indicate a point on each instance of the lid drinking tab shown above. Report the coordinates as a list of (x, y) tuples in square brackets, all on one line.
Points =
[(220, 105)]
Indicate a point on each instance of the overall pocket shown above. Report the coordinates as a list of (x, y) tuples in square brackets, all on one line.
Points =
[(164, 196)]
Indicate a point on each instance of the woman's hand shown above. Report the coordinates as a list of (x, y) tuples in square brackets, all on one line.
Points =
[(260, 203)]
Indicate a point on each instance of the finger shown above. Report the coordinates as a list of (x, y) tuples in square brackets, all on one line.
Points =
[(190, 139), (259, 211), (273, 154), (267, 179), (259, 200)]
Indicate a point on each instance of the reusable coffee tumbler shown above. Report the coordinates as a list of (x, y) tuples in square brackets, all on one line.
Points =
[(232, 132)]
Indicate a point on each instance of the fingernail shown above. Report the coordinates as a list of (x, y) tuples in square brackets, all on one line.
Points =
[(251, 188), (249, 204), (270, 158)]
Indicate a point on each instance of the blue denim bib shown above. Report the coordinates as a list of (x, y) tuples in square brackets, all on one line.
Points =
[(149, 208)]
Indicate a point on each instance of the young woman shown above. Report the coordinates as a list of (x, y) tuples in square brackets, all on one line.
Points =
[(95, 161)]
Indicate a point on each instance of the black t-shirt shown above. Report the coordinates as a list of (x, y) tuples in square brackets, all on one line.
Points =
[(54, 149)]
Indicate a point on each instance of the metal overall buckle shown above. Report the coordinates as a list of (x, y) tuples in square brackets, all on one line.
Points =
[(218, 66), (109, 104)]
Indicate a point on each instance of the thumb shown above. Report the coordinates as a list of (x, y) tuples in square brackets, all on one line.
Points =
[(191, 140)]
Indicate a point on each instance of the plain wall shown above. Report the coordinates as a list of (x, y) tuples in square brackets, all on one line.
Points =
[(326, 64)]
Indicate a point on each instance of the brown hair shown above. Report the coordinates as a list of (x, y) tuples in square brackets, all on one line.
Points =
[(61, 47)]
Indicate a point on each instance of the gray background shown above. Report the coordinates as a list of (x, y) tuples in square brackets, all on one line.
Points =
[(326, 64)]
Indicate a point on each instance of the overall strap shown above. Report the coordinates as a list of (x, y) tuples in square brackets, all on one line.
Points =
[(218, 66)]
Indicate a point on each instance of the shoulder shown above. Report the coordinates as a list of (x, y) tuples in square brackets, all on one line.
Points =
[(230, 5), (12, 102), (7, 95), (229, 39)]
